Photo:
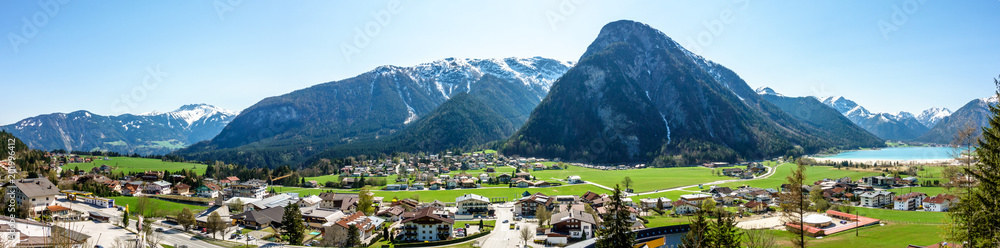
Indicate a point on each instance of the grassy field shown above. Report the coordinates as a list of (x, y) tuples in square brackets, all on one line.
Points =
[(905, 216), (450, 195), (813, 173), (643, 180), (166, 207), (890, 235), (128, 165)]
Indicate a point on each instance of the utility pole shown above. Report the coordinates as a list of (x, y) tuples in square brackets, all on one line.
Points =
[(857, 222)]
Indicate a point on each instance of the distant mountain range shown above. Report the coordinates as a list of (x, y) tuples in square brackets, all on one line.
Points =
[(638, 96), (900, 126), (291, 128), (149, 133), (976, 113)]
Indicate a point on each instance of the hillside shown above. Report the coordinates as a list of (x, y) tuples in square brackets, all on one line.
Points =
[(820, 116), (463, 121), (150, 133), (291, 128), (975, 113), (638, 96)]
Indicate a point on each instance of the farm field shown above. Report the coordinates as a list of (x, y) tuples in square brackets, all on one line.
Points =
[(167, 207), (450, 195), (643, 180), (128, 165)]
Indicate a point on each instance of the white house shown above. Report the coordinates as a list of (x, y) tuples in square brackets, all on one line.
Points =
[(695, 198), (428, 224), (876, 199), (472, 204), (908, 202), (574, 179), (685, 207), (939, 203), (38, 193), (649, 203)]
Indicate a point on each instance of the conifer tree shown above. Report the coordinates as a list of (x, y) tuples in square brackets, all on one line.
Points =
[(292, 224), (976, 218), (616, 232)]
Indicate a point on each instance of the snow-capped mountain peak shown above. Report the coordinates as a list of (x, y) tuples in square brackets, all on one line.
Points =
[(194, 113), (767, 91), (932, 116)]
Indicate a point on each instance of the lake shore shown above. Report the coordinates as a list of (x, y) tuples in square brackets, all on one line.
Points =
[(883, 161)]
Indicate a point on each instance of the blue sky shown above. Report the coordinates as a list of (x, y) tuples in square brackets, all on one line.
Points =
[(159, 55)]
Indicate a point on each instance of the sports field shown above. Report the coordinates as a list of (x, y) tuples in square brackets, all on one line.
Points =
[(128, 165)]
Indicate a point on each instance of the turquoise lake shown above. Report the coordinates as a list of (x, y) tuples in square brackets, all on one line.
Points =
[(898, 153)]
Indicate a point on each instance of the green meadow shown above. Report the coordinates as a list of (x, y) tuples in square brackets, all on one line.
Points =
[(129, 165)]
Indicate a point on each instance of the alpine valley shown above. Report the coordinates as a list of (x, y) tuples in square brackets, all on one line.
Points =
[(634, 96)]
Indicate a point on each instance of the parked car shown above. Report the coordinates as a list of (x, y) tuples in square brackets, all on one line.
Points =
[(505, 221), (159, 229)]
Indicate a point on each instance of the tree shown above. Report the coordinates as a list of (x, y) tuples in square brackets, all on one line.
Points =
[(366, 203), (147, 227), (708, 205), (236, 206), (526, 235), (659, 203), (125, 218), (794, 206), (698, 236), (759, 238), (353, 237), (724, 233), (627, 183), (215, 223), (542, 214), (976, 217), (292, 224), (154, 239), (616, 231), (186, 219)]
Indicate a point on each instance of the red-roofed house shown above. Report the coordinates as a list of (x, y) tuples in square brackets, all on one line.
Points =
[(336, 232), (939, 203)]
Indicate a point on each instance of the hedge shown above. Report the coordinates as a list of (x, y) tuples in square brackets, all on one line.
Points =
[(437, 243)]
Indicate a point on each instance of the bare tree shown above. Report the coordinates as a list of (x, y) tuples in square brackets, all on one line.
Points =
[(965, 140), (627, 183), (154, 239), (526, 235), (125, 242), (794, 204), (759, 238)]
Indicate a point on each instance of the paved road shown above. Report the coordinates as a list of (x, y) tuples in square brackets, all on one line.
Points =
[(502, 236), (105, 233)]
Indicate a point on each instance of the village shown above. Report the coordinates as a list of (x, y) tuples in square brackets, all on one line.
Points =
[(253, 211)]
